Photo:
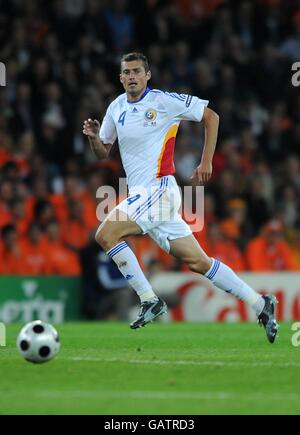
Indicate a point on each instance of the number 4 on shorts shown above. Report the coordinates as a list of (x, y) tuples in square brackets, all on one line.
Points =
[(133, 198)]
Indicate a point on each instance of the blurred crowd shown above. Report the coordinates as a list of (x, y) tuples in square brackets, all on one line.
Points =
[(62, 65)]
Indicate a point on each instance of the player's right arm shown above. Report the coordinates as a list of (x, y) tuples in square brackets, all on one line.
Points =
[(91, 129)]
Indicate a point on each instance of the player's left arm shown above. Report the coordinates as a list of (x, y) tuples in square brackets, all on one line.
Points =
[(211, 125)]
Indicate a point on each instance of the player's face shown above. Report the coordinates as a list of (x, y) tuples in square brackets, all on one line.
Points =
[(134, 78)]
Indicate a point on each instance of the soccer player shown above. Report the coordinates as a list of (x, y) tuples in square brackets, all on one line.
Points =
[(146, 121)]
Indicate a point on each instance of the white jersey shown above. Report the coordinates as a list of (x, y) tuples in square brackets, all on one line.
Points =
[(146, 130)]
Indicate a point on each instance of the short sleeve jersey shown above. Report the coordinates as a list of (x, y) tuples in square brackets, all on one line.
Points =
[(146, 132)]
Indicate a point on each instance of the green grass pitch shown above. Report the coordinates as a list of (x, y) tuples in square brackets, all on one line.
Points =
[(177, 369)]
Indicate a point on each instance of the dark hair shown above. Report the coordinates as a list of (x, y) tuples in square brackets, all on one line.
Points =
[(7, 229), (130, 57), (40, 206)]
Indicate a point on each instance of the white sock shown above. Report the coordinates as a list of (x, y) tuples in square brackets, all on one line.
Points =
[(224, 277), (131, 270)]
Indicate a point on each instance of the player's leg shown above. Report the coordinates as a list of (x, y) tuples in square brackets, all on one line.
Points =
[(110, 236), (189, 251), (115, 228)]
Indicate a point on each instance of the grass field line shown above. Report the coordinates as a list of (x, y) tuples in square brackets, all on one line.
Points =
[(165, 395), (272, 363)]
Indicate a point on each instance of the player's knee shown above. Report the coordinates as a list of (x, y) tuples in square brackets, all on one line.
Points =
[(201, 265), (100, 238), (106, 238)]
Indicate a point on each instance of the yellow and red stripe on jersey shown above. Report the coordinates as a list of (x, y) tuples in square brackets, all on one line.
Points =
[(165, 164)]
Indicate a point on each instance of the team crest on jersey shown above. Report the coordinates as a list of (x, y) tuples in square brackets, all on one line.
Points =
[(150, 116)]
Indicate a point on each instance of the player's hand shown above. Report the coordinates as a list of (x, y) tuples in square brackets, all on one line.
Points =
[(203, 172), (91, 128)]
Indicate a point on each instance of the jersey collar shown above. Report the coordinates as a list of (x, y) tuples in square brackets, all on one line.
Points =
[(142, 96)]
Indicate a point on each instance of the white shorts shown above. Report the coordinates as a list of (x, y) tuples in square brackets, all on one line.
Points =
[(155, 210)]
